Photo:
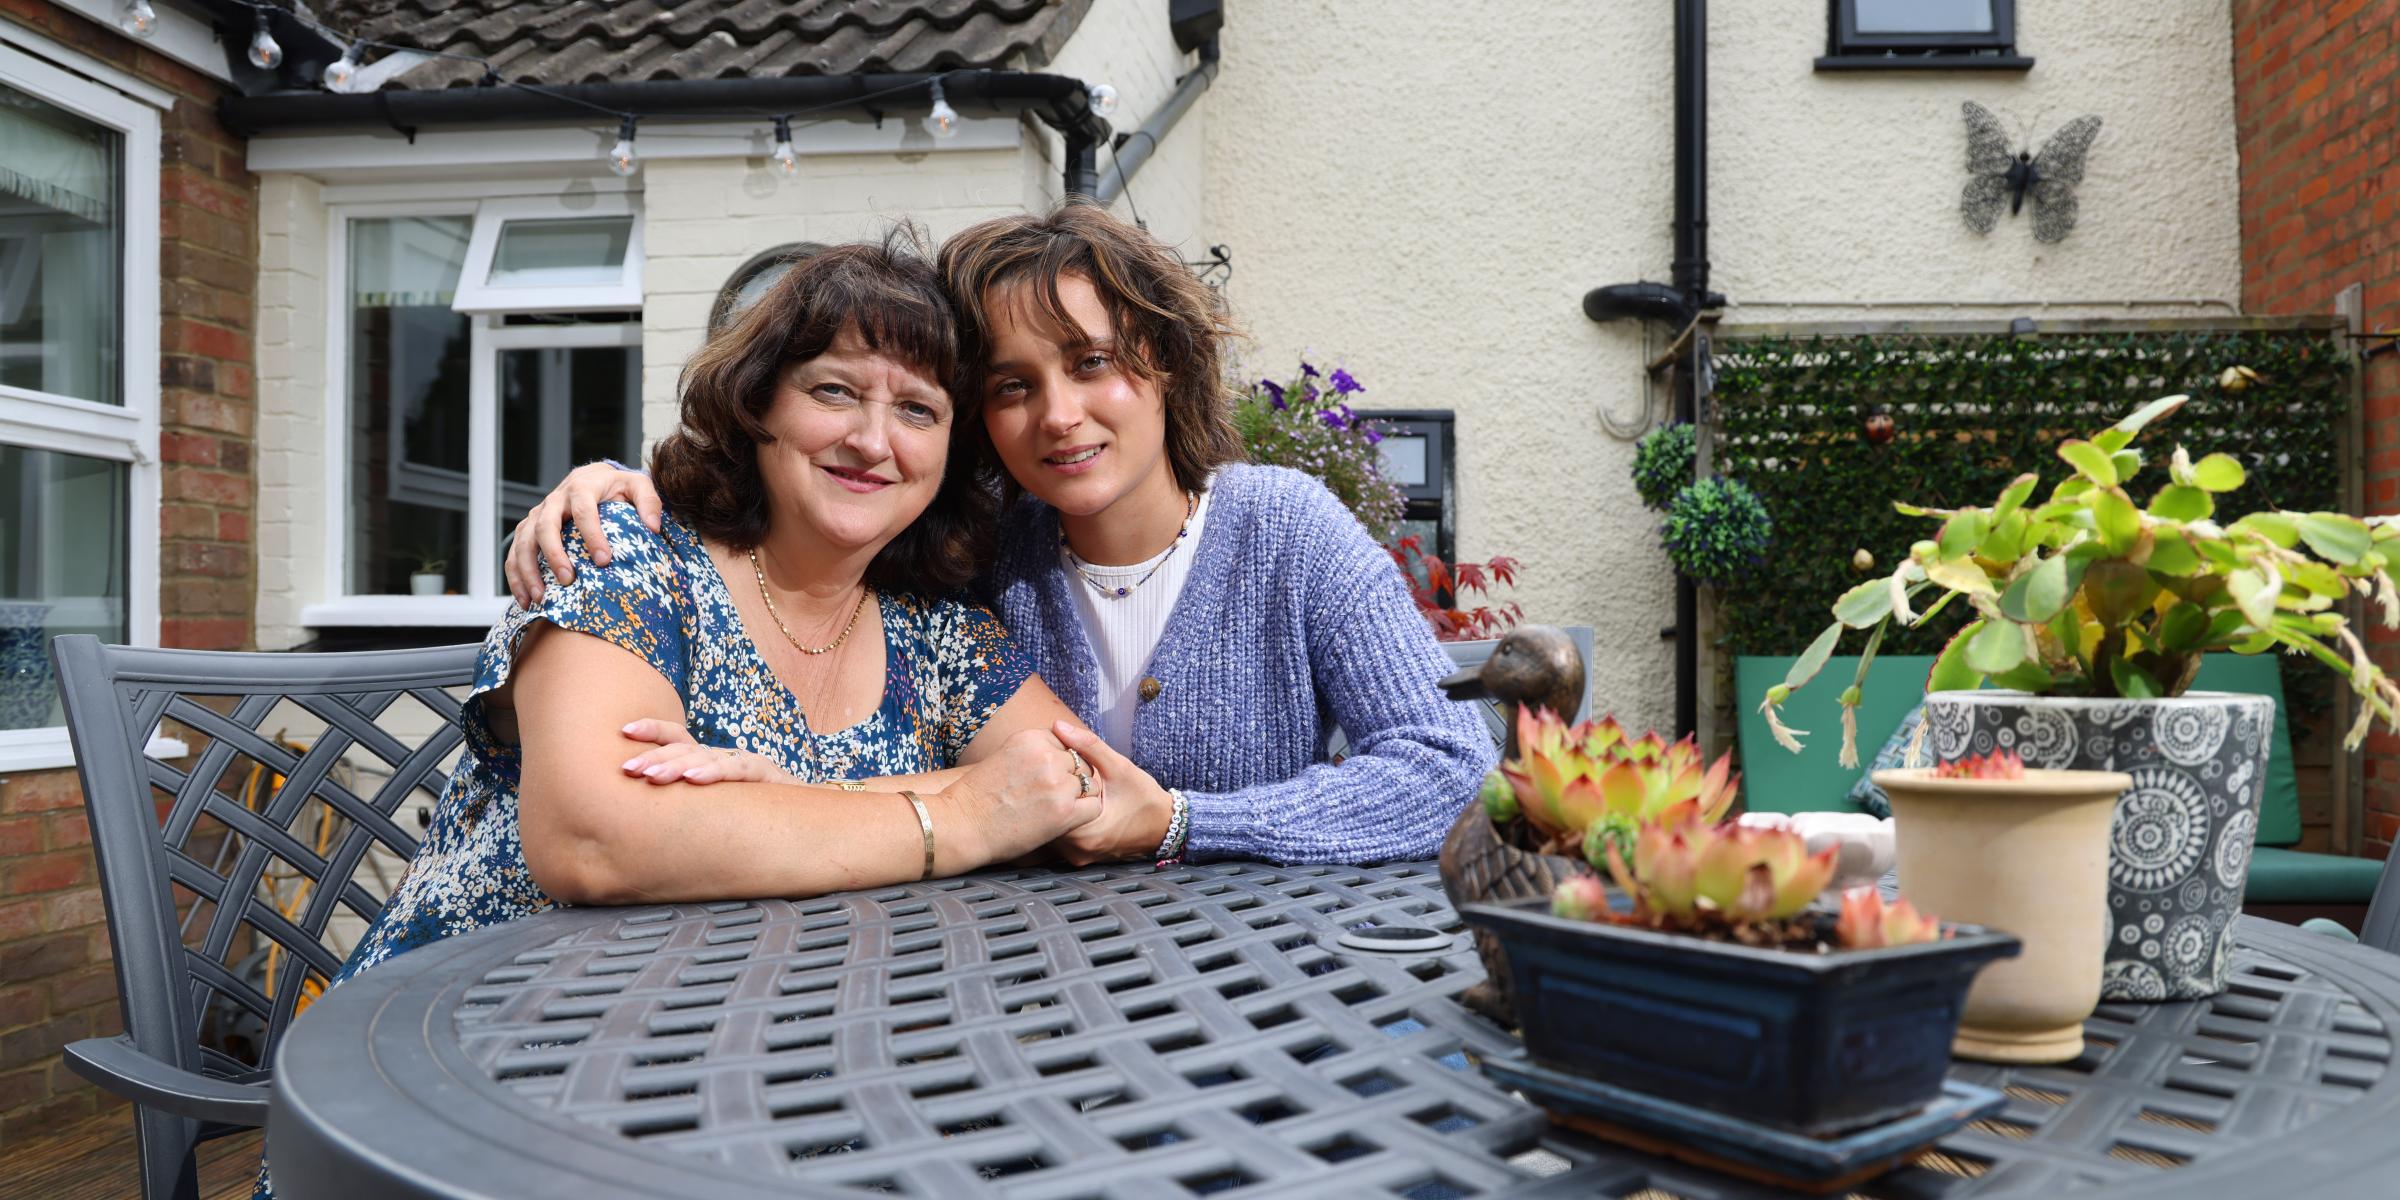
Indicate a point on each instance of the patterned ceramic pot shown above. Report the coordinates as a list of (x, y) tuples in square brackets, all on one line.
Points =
[(26, 687), (2179, 847)]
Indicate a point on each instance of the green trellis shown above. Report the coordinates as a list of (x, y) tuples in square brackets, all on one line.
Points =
[(1970, 410)]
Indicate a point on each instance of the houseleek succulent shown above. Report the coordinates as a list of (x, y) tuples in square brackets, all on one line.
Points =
[(1867, 921), (1571, 780), (1736, 882)]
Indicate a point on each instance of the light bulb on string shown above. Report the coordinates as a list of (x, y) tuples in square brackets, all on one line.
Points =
[(785, 157), (943, 118), (265, 52), (138, 18), (621, 158), (341, 71), (1103, 99)]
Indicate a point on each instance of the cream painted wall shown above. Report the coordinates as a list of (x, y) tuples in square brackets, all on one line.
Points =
[(1424, 191), (1127, 45), (294, 494)]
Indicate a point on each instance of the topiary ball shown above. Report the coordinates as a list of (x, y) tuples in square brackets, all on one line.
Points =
[(1716, 530), (1663, 462)]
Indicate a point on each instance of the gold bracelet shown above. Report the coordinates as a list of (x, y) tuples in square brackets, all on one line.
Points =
[(925, 821), (849, 785)]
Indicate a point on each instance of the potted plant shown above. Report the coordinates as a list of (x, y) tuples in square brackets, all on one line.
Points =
[(1967, 831), (1564, 793), (2092, 611), (431, 578), (1716, 986)]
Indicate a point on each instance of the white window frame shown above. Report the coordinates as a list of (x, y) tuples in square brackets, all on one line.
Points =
[(126, 433), (483, 602), (477, 295)]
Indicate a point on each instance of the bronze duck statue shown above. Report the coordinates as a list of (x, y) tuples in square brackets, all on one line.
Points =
[(1537, 665)]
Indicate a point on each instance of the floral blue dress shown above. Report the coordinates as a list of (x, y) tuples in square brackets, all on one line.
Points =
[(948, 666)]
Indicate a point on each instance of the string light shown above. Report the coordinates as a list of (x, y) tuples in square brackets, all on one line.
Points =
[(341, 71), (265, 52), (621, 158), (1103, 99), (138, 18), (943, 118), (785, 156)]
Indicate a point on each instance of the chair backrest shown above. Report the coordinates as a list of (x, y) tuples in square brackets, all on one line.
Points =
[(2381, 929), (222, 875)]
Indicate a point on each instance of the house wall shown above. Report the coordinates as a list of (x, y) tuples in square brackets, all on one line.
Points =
[(2317, 99), (1425, 191), (56, 984), (1128, 46)]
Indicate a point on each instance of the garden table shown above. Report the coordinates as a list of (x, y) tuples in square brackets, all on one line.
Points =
[(1146, 1033)]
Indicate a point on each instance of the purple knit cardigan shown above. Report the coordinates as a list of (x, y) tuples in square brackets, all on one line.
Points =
[(1292, 622)]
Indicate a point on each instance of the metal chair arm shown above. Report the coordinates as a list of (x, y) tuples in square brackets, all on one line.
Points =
[(114, 1064)]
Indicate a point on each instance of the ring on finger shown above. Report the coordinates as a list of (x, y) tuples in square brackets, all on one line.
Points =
[(1083, 774)]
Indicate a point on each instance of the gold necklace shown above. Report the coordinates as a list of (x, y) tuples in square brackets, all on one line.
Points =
[(777, 617)]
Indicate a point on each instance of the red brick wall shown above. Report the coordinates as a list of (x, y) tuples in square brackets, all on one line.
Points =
[(56, 983), (2317, 107)]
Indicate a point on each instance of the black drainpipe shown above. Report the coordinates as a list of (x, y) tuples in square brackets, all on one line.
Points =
[(1678, 304), (1135, 148)]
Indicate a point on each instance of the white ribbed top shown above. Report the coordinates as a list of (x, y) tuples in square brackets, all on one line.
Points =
[(1124, 630)]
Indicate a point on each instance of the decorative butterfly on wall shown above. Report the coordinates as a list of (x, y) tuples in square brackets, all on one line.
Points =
[(2049, 178)]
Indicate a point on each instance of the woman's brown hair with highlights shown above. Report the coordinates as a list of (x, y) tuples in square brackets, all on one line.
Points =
[(1172, 327), (707, 470)]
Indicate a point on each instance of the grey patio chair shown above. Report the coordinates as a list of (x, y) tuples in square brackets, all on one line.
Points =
[(161, 832), (2381, 929)]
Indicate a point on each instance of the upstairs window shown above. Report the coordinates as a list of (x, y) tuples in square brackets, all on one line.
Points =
[(1921, 35)]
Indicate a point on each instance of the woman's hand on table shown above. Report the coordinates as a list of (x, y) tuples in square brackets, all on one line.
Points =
[(1133, 820), (1012, 803), (676, 756), (542, 534)]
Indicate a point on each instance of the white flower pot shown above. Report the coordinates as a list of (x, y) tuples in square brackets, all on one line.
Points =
[(428, 583)]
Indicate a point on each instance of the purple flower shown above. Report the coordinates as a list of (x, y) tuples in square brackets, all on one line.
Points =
[(1374, 435), (1274, 391), (1334, 419), (1308, 369), (1344, 384)]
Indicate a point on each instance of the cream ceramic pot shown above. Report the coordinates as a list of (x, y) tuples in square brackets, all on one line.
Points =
[(2025, 856)]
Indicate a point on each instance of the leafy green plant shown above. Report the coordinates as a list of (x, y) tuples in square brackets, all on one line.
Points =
[(2090, 593), (1716, 530), (1305, 423), (1663, 463)]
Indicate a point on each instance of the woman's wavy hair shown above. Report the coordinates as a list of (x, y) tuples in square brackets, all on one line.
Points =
[(707, 470), (1171, 327)]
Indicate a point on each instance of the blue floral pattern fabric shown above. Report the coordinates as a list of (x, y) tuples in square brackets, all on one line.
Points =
[(949, 665)]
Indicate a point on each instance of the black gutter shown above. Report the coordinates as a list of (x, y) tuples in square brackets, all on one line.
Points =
[(1135, 148), (1680, 303), (1059, 101)]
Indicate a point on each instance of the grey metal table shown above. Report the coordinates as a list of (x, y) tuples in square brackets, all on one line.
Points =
[(1142, 1033)]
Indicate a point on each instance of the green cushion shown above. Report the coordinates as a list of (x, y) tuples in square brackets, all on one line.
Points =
[(2279, 876), (1776, 780)]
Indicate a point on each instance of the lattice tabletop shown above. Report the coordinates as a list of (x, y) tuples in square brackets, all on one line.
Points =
[(1142, 1033)]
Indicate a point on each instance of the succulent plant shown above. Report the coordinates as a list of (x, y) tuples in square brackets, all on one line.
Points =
[(2090, 594), (1695, 876), (1867, 922), (1581, 898), (1499, 799), (1569, 779), (1999, 764)]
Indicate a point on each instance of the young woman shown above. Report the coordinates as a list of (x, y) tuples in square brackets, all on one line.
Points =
[(1213, 620)]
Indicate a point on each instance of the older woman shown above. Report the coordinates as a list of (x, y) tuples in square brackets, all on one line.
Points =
[(1212, 620), (793, 604)]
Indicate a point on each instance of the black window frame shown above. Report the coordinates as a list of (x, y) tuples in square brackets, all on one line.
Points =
[(1436, 499), (1846, 49)]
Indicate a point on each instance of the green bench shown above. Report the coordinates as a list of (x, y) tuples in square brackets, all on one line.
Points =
[(2284, 883)]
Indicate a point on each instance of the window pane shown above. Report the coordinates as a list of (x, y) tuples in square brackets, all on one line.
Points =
[(61, 250), (1404, 458), (408, 405), (62, 570), (559, 409), (555, 253), (1924, 16)]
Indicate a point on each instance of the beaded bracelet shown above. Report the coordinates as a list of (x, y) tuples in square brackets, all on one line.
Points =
[(1179, 830)]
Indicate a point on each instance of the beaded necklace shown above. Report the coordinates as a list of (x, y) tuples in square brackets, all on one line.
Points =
[(1118, 591)]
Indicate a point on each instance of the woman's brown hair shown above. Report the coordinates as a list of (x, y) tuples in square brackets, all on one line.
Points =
[(707, 470), (1173, 327)]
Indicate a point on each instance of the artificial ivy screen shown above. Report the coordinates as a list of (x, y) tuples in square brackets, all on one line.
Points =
[(1797, 422)]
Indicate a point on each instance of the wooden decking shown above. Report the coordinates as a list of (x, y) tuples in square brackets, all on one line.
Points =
[(95, 1161)]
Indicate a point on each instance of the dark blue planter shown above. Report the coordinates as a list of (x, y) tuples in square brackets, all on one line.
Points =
[(1812, 1043)]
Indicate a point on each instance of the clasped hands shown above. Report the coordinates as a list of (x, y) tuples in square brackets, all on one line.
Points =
[(1017, 800)]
